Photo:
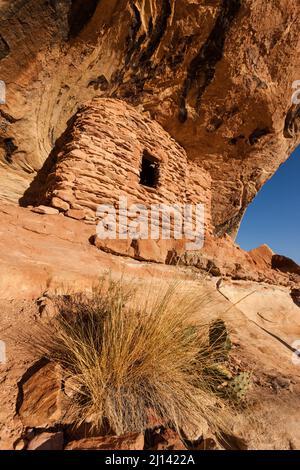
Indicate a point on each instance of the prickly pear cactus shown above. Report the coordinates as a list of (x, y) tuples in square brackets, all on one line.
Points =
[(191, 331), (239, 386), (219, 338)]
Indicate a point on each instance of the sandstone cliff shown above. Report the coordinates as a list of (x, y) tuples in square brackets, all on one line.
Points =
[(203, 87), (216, 75)]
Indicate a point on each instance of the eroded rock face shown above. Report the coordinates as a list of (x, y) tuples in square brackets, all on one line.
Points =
[(129, 441), (216, 75), (47, 441), (38, 250), (38, 403)]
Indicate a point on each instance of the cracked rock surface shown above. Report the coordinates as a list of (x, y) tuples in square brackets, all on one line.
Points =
[(217, 75)]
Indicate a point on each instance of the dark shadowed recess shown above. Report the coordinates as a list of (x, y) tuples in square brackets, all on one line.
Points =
[(81, 12), (4, 48), (285, 264), (35, 194), (295, 294)]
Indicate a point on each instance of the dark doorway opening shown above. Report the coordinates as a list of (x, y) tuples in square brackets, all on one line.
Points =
[(149, 175)]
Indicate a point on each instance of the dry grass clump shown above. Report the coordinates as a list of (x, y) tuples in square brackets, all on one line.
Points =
[(127, 355)]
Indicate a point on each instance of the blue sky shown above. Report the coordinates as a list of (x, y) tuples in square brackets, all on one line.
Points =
[(273, 217)]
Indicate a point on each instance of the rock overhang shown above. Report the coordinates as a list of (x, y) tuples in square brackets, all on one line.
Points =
[(228, 69)]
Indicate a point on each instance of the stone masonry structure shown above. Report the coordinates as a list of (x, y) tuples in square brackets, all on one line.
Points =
[(110, 150)]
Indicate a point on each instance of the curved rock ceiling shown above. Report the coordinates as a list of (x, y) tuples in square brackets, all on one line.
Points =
[(217, 75)]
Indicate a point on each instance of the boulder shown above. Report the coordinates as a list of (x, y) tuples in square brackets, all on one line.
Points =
[(47, 441), (130, 441), (45, 210), (58, 203), (39, 399), (77, 214)]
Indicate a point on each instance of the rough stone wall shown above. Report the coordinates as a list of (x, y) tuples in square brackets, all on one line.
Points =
[(100, 159), (199, 189)]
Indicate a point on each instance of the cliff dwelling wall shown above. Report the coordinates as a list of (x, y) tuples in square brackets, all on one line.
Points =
[(111, 150)]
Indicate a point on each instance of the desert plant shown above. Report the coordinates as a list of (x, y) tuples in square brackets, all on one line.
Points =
[(219, 339), (225, 384), (239, 386), (128, 355)]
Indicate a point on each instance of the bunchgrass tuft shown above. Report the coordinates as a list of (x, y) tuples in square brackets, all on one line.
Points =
[(127, 356)]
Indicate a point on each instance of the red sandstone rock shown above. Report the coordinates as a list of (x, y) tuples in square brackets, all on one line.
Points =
[(58, 203), (55, 251), (39, 398), (222, 152), (228, 107), (167, 439), (263, 308), (75, 214), (45, 210), (47, 441), (262, 256), (130, 441), (118, 247), (229, 110), (149, 250)]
